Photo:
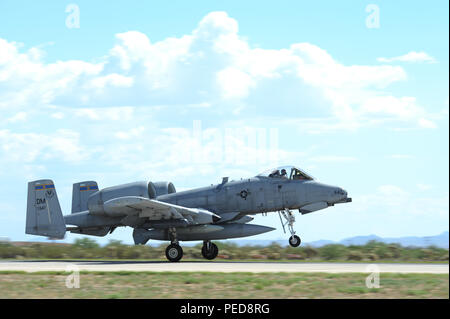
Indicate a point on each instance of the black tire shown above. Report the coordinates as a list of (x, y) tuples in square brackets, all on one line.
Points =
[(174, 252), (212, 253), (295, 241)]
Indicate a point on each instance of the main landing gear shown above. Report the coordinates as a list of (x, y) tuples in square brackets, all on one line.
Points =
[(209, 250), (174, 252), (294, 240)]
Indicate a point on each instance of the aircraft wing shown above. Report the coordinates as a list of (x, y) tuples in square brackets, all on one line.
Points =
[(157, 210)]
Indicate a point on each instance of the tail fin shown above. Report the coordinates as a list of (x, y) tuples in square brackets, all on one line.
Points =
[(44, 216), (80, 194)]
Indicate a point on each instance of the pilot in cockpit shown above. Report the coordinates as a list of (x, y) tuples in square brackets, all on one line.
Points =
[(275, 173), (282, 172), (298, 175)]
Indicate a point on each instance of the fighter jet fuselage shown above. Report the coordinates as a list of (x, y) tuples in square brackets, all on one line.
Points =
[(157, 211), (257, 195)]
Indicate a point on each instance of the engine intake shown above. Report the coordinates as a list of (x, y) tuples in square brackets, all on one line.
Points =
[(164, 188)]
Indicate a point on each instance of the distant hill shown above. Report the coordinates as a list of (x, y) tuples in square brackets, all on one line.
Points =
[(441, 241)]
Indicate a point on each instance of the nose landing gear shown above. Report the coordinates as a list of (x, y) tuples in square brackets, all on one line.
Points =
[(294, 240)]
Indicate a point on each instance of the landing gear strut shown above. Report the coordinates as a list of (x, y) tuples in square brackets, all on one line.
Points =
[(294, 240), (209, 250), (174, 252)]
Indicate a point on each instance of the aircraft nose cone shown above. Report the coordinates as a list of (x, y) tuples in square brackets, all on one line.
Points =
[(339, 193), (345, 197)]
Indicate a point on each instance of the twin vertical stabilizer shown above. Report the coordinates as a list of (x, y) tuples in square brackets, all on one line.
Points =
[(44, 216), (80, 194)]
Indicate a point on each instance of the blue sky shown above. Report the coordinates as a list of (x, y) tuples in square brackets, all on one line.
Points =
[(126, 95)]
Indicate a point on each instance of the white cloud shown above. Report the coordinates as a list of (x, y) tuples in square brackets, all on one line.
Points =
[(18, 117), (104, 114), (234, 83), (38, 147), (119, 104), (25, 80), (127, 116), (403, 109), (212, 66), (112, 80), (412, 57), (318, 67)]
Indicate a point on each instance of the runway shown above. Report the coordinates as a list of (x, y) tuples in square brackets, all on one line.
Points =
[(200, 266)]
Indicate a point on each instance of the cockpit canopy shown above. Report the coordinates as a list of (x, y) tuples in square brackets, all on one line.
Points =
[(286, 172)]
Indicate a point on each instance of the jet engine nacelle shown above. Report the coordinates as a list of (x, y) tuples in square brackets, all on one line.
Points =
[(142, 189), (164, 188)]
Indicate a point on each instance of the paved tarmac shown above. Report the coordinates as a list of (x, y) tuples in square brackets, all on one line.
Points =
[(217, 266)]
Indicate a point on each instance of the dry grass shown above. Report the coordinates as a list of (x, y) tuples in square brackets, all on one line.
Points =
[(221, 285)]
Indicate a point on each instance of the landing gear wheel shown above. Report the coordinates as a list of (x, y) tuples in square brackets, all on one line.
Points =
[(210, 253), (174, 252), (294, 241)]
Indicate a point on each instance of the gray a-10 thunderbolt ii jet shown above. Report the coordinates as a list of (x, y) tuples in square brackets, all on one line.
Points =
[(157, 211)]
